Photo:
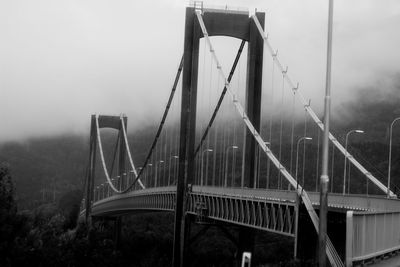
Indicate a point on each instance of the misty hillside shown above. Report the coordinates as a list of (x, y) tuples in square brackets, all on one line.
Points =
[(46, 168)]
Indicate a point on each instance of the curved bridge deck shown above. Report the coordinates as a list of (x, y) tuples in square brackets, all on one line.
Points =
[(270, 210)]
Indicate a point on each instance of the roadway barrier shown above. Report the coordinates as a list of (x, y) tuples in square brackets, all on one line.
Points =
[(371, 235)]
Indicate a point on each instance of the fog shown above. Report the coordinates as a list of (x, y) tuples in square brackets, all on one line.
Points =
[(61, 61)]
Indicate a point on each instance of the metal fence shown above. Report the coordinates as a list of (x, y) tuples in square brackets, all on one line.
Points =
[(371, 234)]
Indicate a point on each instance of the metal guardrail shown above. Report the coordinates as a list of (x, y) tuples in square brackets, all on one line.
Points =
[(269, 214), (335, 201), (371, 227), (371, 234)]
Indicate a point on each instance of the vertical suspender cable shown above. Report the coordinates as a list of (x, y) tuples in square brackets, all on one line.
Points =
[(292, 135), (129, 152), (315, 118), (270, 120), (330, 251), (304, 147), (281, 128), (317, 167), (221, 98), (160, 126), (323, 212), (333, 165), (102, 156)]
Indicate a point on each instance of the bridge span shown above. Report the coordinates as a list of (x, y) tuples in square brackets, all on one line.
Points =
[(258, 182), (163, 199), (270, 210)]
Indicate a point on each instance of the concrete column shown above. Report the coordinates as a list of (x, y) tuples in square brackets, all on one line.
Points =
[(187, 131), (91, 173), (253, 100)]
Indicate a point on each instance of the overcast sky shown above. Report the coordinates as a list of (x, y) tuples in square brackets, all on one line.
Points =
[(61, 61)]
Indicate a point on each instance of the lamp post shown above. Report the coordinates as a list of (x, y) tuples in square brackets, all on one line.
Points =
[(390, 154), (102, 191), (129, 177), (226, 163), (169, 168), (201, 165), (256, 183), (297, 154), (345, 157), (134, 177), (97, 193), (118, 182), (112, 179), (155, 177), (148, 173), (175, 165), (124, 179)]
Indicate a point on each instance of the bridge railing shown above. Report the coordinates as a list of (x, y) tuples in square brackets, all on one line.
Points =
[(370, 235)]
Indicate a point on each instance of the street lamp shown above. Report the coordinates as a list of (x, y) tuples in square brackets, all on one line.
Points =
[(169, 169), (133, 177), (345, 157), (112, 179), (97, 192), (123, 180), (155, 177), (226, 163), (148, 173), (256, 183), (201, 165), (297, 154), (119, 182), (390, 154)]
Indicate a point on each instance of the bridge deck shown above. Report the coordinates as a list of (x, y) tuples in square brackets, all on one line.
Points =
[(268, 210), (163, 198), (335, 201)]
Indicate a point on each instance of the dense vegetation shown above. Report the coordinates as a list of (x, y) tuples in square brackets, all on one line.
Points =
[(39, 205), (49, 236)]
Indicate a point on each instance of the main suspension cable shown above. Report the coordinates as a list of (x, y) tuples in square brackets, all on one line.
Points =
[(314, 116), (171, 97), (331, 252), (129, 152), (221, 98), (106, 173)]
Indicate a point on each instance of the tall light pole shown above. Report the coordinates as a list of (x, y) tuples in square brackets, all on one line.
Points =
[(345, 157), (148, 175), (226, 163), (119, 182), (390, 154), (133, 175), (257, 182), (201, 165), (324, 180), (155, 177), (297, 154), (112, 181), (97, 194), (169, 169), (123, 179)]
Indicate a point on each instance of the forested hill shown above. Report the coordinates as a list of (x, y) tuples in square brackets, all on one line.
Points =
[(44, 168)]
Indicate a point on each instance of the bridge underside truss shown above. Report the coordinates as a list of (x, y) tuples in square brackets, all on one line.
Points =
[(277, 216), (144, 200)]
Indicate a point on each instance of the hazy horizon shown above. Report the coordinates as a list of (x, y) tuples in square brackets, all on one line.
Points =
[(63, 61)]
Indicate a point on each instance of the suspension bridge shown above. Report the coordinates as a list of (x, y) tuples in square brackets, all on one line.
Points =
[(231, 149)]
